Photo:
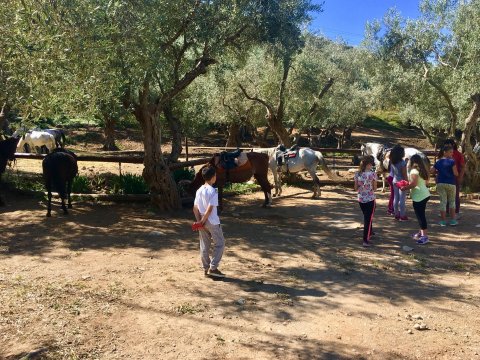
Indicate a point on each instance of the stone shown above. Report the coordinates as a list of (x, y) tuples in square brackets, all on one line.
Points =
[(407, 248), (409, 331), (240, 301), (417, 317), (156, 233)]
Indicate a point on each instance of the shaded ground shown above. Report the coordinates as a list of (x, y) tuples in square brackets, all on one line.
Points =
[(122, 282)]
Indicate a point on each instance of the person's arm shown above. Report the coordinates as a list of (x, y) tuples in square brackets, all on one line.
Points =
[(461, 173), (413, 182), (374, 183), (196, 212), (355, 182), (205, 216), (455, 171)]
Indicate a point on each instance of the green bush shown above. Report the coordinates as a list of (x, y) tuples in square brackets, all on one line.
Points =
[(183, 174), (81, 185), (129, 184)]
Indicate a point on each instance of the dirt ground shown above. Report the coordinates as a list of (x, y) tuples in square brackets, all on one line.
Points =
[(114, 281)]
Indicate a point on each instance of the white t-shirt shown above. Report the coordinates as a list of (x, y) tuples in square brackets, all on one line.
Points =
[(205, 196)]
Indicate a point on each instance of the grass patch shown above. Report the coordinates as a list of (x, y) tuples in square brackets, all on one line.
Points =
[(240, 188), (188, 308), (383, 120)]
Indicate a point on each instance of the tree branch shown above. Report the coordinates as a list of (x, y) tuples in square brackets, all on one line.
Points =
[(263, 102), (321, 94)]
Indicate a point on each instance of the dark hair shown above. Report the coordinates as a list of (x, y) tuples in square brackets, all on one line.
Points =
[(451, 142), (444, 149), (416, 162), (208, 173), (365, 161), (397, 154)]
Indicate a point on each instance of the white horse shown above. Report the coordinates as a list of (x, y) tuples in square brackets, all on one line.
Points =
[(35, 140), (306, 159), (409, 152)]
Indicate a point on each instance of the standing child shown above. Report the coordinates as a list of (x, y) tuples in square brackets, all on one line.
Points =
[(205, 210), (446, 173), (460, 164), (420, 195), (365, 185), (390, 210), (399, 170)]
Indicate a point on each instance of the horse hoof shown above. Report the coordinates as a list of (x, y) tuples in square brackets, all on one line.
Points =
[(49, 215)]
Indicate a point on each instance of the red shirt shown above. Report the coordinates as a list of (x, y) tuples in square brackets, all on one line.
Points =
[(459, 159)]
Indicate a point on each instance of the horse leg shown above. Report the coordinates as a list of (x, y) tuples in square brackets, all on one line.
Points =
[(65, 211), (266, 188), (69, 190), (317, 192), (49, 201), (276, 180), (220, 199), (383, 183)]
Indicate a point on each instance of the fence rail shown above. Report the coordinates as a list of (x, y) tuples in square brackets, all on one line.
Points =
[(130, 158)]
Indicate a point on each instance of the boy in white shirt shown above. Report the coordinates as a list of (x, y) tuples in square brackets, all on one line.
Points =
[(205, 210)]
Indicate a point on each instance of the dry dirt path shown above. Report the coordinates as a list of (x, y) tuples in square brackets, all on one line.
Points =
[(122, 282)]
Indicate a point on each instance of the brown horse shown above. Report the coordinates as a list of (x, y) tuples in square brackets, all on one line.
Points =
[(256, 166)]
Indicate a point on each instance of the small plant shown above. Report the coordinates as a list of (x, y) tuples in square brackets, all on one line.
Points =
[(183, 174), (81, 185), (240, 188), (129, 184), (188, 308)]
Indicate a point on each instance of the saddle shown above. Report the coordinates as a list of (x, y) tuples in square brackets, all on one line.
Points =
[(284, 154), (231, 160)]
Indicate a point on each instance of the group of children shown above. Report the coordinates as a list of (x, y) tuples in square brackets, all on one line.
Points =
[(449, 170)]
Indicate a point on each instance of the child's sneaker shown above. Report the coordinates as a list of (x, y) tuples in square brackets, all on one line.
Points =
[(442, 223), (423, 240), (417, 235), (403, 218), (216, 273), (453, 222), (390, 213), (397, 217), (367, 244)]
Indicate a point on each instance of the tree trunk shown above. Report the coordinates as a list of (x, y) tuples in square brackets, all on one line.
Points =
[(472, 175), (163, 190), (277, 127), (177, 133), (234, 135), (109, 132)]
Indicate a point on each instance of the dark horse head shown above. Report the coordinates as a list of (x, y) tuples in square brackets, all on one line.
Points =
[(256, 166)]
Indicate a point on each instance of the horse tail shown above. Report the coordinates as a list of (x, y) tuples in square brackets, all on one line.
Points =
[(62, 134), (321, 160)]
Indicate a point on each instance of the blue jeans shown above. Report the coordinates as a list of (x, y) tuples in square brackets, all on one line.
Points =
[(399, 199)]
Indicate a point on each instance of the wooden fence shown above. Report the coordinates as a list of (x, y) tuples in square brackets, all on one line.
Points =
[(136, 157)]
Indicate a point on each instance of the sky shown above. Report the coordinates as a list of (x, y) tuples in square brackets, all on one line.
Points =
[(346, 19)]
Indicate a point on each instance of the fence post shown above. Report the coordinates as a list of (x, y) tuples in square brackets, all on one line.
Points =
[(120, 168), (186, 148)]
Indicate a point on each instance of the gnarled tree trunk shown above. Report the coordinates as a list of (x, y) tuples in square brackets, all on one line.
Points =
[(472, 171), (234, 139), (163, 190), (109, 132), (4, 124), (176, 132)]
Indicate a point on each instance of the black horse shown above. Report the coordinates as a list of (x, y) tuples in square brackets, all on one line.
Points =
[(59, 169)]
